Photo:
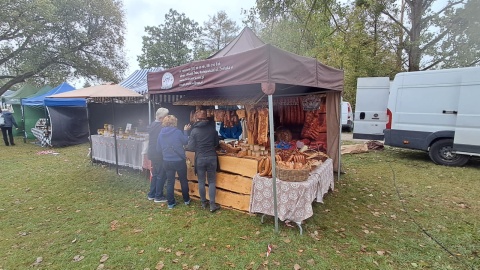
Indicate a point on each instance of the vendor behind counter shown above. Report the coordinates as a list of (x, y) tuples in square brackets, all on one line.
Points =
[(231, 130)]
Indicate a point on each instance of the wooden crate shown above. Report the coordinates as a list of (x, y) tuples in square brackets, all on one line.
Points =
[(242, 166), (223, 197), (232, 182)]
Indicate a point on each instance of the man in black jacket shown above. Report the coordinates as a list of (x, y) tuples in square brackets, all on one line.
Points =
[(159, 176), (204, 141)]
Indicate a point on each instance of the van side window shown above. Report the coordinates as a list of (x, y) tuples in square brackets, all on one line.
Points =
[(362, 115)]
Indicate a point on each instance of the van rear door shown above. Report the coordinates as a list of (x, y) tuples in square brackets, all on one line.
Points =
[(371, 108), (467, 128)]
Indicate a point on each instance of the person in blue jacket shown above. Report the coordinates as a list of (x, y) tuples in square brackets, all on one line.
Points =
[(170, 142), (232, 132), (9, 121)]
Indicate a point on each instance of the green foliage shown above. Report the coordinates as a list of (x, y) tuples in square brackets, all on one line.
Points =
[(434, 34), (49, 41), (170, 44), (218, 31)]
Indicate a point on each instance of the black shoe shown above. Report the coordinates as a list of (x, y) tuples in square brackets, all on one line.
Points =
[(12, 144), (204, 205), (216, 207)]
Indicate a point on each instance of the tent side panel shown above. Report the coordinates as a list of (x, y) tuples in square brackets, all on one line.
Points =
[(69, 125), (32, 114)]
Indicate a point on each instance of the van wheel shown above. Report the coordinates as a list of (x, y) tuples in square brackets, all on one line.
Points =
[(441, 153)]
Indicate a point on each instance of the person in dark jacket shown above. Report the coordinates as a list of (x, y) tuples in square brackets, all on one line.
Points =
[(203, 141), (171, 141), (7, 127), (159, 177), (232, 132)]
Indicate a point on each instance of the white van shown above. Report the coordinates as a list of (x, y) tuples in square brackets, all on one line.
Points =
[(347, 116), (435, 111)]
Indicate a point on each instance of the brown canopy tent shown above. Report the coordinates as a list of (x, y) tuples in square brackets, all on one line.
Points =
[(265, 68), (246, 68)]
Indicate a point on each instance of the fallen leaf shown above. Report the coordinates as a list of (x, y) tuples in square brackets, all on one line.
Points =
[(363, 248), (180, 240), (159, 265), (297, 267), (38, 261), (414, 265), (179, 253), (104, 258), (101, 266), (287, 240), (393, 216), (113, 225), (196, 267), (311, 262), (381, 252), (74, 240), (141, 251), (78, 258)]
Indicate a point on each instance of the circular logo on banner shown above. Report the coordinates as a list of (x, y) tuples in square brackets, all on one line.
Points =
[(167, 80)]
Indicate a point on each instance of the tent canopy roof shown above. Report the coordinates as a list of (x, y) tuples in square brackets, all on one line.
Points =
[(248, 61), (100, 91), (40, 99), (245, 41), (25, 91), (265, 64)]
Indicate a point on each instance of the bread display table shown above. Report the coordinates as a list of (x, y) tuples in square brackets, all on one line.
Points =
[(130, 152), (294, 199)]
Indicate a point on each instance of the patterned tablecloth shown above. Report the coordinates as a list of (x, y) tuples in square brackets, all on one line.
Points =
[(130, 152), (294, 199), (42, 136)]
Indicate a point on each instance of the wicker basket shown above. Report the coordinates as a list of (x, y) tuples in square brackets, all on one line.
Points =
[(290, 175)]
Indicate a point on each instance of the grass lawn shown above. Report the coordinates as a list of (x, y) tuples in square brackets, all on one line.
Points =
[(393, 209)]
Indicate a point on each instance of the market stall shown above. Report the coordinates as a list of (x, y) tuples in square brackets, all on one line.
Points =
[(276, 88), (110, 94)]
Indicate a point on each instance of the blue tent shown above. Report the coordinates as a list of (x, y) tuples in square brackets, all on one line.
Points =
[(41, 100)]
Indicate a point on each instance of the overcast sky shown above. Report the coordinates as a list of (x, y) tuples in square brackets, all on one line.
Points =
[(141, 13)]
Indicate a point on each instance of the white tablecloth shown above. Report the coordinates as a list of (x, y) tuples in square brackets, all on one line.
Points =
[(130, 152), (294, 199)]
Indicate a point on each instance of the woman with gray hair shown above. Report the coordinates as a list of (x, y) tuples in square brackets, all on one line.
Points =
[(159, 177)]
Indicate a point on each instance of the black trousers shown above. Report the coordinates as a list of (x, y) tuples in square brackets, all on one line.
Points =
[(8, 130)]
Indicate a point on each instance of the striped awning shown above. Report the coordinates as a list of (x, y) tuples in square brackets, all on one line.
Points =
[(137, 81)]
